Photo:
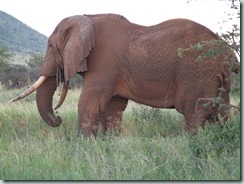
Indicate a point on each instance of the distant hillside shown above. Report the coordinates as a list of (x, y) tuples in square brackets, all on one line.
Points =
[(19, 37)]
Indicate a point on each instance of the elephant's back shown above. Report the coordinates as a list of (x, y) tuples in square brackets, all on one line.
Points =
[(185, 24), (172, 34), (188, 31)]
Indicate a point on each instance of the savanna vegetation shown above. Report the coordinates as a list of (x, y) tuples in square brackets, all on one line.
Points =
[(22, 75), (152, 145), (21, 51)]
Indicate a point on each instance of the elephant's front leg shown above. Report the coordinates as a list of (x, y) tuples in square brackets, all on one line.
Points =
[(91, 105)]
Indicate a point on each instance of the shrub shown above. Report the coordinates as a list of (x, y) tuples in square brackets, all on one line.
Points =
[(216, 139)]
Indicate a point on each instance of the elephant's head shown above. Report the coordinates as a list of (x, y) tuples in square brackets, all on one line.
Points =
[(68, 48)]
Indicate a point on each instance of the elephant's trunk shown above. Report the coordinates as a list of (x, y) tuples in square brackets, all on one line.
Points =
[(44, 97)]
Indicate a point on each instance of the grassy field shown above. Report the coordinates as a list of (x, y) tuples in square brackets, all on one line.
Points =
[(153, 145)]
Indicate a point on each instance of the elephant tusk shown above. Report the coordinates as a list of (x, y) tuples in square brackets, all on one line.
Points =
[(63, 95), (31, 89)]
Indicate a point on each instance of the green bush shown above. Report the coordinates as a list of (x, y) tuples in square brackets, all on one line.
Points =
[(216, 139)]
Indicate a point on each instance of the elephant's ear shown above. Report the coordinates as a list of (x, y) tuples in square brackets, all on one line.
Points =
[(79, 41)]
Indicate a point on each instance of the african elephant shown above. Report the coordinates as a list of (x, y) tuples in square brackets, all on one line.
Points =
[(122, 61)]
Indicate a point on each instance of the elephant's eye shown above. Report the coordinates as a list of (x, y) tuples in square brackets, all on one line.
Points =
[(50, 45)]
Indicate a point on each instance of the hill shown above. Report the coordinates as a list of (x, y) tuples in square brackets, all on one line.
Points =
[(20, 38)]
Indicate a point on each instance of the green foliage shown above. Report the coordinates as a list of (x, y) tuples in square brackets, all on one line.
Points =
[(217, 140), (5, 58), (235, 85), (35, 60), (19, 37), (11, 75), (15, 76), (209, 49), (233, 37), (216, 49), (230, 41), (31, 150), (18, 76), (219, 49)]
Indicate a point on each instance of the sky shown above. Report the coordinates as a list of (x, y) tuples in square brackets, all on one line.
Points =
[(44, 15)]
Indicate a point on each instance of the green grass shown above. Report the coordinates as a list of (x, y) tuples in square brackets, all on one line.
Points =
[(153, 145)]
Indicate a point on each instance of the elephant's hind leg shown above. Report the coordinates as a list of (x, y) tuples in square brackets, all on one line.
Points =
[(112, 117), (196, 120), (197, 115)]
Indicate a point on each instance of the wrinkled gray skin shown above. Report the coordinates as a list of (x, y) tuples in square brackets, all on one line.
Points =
[(120, 60)]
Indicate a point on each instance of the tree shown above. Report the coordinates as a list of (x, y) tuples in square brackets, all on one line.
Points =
[(230, 39), (233, 37), (35, 60), (11, 76), (15, 76), (215, 48), (5, 58)]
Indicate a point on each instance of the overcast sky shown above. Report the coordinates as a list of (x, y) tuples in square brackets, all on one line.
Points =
[(44, 15)]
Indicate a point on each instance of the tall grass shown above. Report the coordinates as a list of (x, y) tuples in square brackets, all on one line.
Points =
[(153, 145)]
